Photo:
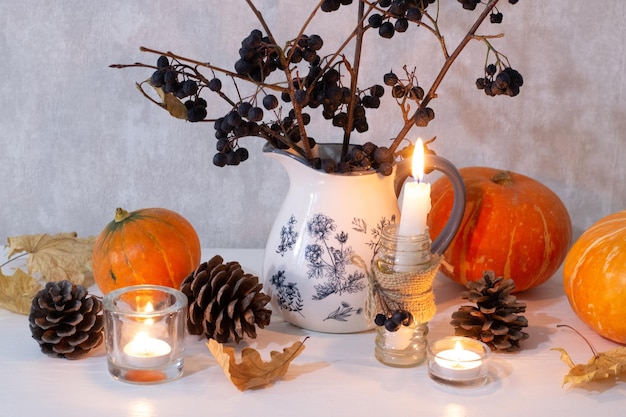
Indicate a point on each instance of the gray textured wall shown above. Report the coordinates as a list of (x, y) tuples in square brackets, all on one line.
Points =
[(77, 140)]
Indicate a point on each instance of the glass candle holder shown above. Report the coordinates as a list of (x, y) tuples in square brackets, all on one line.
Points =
[(459, 361), (403, 270), (144, 330)]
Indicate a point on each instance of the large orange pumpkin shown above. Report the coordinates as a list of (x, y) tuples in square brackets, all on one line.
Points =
[(148, 246), (595, 277), (513, 225)]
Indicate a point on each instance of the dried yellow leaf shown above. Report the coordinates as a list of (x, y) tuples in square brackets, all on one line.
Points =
[(174, 106), (252, 371), (604, 365), (56, 257), (17, 291), (169, 102)]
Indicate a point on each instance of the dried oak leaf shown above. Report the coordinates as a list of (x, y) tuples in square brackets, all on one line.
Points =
[(17, 291), (58, 257), (252, 371), (603, 365)]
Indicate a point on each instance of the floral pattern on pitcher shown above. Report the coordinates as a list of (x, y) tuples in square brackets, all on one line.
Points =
[(327, 257), (343, 312), (287, 293)]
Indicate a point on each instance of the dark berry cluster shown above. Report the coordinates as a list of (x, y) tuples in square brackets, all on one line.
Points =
[(257, 57), (496, 17), (306, 49), (333, 5), (402, 89), (243, 120), (507, 82), (323, 87), (196, 109), (398, 14), (359, 158), (471, 5), (172, 78), (393, 322)]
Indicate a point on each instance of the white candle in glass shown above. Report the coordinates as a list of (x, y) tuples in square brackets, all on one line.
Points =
[(400, 339), (416, 197), (146, 352)]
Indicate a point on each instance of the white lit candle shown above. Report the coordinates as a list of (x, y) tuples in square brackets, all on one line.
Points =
[(458, 364), (400, 339), (416, 197), (146, 352)]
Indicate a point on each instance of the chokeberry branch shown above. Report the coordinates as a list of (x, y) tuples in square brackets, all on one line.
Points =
[(261, 20), (432, 92), (354, 78), (499, 55), (177, 57), (437, 32), (179, 82), (306, 24), (287, 69)]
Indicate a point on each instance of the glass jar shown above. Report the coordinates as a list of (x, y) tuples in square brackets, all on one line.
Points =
[(144, 331), (403, 270)]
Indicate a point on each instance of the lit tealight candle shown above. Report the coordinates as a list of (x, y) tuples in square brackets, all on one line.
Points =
[(416, 198), (146, 352), (458, 361)]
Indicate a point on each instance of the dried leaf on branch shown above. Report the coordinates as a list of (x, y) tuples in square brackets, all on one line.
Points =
[(253, 371), (169, 102)]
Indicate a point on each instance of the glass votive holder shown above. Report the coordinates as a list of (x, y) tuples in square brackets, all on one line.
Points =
[(406, 347), (144, 331), (459, 361)]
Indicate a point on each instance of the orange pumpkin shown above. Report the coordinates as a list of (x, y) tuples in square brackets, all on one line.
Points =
[(148, 246), (594, 277), (513, 225)]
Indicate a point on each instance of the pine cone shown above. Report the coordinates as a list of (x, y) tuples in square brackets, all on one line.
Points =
[(495, 320), (65, 320), (224, 301)]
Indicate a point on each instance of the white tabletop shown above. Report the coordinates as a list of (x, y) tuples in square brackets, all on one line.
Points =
[(336, 375)]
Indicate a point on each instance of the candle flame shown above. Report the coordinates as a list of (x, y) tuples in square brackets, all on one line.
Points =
[(458, 347), (148, 309), (141, 337), (418, 161), (141, 345)]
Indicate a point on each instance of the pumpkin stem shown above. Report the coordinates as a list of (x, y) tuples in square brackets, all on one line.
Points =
[(503, 178), (121, 214)]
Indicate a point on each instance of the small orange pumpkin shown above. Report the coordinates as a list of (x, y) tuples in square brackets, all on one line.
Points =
[(513, 225), (148, 246), (594, 277)]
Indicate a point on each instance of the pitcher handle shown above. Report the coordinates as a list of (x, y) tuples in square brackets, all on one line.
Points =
[(441, 243)]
